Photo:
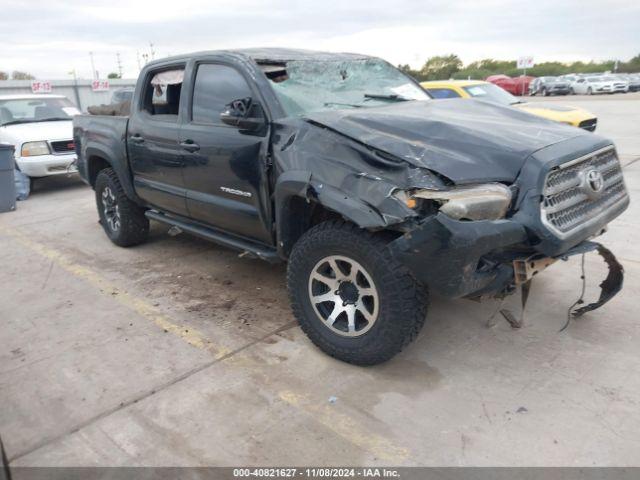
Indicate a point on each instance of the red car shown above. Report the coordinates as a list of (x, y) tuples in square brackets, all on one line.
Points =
[(515, 86)]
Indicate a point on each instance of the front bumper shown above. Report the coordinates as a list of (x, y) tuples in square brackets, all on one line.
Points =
[(45, 165), (451, 256), (481, 258)]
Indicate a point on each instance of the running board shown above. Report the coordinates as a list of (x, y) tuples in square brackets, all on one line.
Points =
[(247, 247)]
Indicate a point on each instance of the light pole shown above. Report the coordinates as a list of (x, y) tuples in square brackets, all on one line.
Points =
[(119, 64)]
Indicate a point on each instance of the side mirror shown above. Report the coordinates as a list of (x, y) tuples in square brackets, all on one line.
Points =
[(244, 114)]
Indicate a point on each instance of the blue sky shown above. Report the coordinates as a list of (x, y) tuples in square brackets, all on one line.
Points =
[(51, 38)]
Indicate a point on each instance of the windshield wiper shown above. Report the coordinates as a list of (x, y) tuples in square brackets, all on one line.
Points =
[(16, 122), (382, 96), (326, 104), (52, 119)]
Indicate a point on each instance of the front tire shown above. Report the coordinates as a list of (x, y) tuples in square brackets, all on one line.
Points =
[(123, 220), (351, 297)]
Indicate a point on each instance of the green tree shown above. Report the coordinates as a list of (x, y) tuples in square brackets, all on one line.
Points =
[(4, 76), (113, 75), (17, 75), (409, 71), (440, 67), (632, 66)]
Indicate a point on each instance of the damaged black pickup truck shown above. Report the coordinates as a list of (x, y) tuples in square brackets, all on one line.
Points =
[(341, 165)]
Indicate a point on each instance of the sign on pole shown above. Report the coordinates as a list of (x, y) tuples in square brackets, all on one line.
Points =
[(100, 85), (525, 63), (41, 86)]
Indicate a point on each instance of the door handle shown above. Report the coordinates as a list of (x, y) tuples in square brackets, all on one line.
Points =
[(190, 146), (137, 138)]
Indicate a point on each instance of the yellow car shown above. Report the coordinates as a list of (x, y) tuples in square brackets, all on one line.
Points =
[(492, 93)]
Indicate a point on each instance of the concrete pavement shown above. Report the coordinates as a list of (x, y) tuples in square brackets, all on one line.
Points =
[(178, 352)]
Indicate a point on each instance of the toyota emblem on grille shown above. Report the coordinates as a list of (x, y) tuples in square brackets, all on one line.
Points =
[(592, 182)]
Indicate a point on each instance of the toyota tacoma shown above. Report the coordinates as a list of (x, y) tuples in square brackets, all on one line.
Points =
[(342, 165)]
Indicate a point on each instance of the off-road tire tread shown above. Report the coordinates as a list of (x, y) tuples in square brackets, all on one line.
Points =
[(134, 225), (409, 298)]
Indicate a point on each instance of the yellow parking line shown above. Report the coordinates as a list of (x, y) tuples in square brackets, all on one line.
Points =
[(138, 305), (347, 428), (339, 423)]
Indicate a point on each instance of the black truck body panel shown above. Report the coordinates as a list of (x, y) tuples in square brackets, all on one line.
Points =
[(467, 141), (351, 162)]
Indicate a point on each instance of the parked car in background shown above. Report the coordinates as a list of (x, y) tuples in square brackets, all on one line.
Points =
[(620, 84), (549, 86), (343, 166), (41, 130), (634, 82), (480, 90), (522, 85), (598, 85), (570, 78), (504, 82)]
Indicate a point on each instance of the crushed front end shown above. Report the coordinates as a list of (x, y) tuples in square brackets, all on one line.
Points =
[(564, 196)]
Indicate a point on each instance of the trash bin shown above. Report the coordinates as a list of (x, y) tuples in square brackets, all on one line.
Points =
[(7, 182)]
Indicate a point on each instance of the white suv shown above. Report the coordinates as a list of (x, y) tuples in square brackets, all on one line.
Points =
[(41, 130)]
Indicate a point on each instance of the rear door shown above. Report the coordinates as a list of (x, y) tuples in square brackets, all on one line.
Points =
[(225, 168), (152, 140)]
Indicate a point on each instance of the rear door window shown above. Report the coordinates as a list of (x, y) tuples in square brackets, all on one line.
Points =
[(162, 94)]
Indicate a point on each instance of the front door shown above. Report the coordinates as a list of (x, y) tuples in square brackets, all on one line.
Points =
[(152, 140), (224, 172)]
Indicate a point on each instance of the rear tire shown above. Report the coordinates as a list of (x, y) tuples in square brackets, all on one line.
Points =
[(545, 93), (370, 305), (123, 220), (589, 91)]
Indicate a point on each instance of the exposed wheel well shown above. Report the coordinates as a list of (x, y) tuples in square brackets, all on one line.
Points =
[(94, 165), (300, 215)]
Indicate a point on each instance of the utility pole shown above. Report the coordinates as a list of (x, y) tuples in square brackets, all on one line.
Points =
[(93, 67), (75, 88), (119, 64), (152, 51), (138, 59)]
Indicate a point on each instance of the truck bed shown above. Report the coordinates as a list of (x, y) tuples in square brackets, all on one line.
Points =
[(102, 136)]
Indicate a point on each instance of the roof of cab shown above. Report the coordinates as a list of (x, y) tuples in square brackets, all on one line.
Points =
[(266, 55)]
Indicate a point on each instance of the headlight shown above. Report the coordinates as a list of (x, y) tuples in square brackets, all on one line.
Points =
[(31, 149), (481, 202)]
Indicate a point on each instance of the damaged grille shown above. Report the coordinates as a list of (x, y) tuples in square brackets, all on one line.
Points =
[(581, 191)]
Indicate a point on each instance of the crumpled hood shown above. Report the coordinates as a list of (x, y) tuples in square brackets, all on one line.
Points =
[(468, 141)]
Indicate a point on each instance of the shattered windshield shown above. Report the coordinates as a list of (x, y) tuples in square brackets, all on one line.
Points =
[(305, 86)]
